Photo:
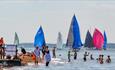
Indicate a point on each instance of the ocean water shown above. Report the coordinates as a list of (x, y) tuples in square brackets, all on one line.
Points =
[(61, 62)]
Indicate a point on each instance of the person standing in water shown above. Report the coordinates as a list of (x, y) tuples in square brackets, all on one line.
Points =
[(69, 55), (47, 56), (91, 57), (85, 56), (37, 55), (53, 52), (101, 61), (43, 52), (75, 54), (108, 60)]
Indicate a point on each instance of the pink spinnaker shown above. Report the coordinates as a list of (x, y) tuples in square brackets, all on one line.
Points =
[(98, 39)]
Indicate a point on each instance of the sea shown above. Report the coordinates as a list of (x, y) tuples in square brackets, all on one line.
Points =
[(61, 60)]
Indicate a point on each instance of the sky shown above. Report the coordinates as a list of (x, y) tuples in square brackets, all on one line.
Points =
[(26, 16)]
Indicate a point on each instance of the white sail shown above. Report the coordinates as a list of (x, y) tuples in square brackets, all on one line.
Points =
[(59, 41), (16, 39)]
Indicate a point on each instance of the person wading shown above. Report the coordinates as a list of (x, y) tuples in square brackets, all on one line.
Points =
[(69, 56), (37, 54), (75, 54), (85, 56), (47, 56), (53, 52), (43, 52)]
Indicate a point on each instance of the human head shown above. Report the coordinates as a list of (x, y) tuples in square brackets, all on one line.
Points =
[(108, 56), (69, 51), (37, 47), (46, 48), (85, 52), (1, 38), (99, 55), (102, 55)]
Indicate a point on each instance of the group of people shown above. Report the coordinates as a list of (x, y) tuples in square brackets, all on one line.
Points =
[(100, 59), (69, 55), (45, 54)]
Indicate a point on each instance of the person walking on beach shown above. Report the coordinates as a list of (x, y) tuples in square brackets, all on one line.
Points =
[(54, 52), (108, 60), (69, 55), (37, 55), (47, 56), (85, 56), (75, 54)]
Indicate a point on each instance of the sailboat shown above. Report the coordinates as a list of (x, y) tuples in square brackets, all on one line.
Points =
[(74, 39), (88, 40), (16, 39), (59, 41), (98, 39), (39, 40), (105, 41), (69, 41)]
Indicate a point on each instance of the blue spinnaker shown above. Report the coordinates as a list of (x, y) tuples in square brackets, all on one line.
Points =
[(105, 41), (39, 39), (88, 40), (76, 34)]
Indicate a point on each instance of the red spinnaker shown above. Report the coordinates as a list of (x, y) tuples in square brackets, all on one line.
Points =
[(98, 39)]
